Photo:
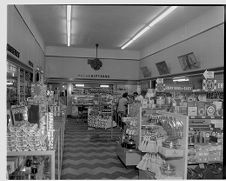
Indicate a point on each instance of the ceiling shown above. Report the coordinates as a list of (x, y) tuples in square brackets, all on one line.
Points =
[(109, 26)]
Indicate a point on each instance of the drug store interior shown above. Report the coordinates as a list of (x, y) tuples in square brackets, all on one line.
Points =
[(67, 69)]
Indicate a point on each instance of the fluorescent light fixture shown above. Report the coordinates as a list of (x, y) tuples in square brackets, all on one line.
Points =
[(136, 36), (163, 15), (141, 33), (79, 85), (155, 21), (9, 83), (104, 86), (180, 79), (68, 25), (127, 44)]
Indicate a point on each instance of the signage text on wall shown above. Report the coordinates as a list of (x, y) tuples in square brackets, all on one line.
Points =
[(31, 63), (93, 76), (169, 87), (13, 50)]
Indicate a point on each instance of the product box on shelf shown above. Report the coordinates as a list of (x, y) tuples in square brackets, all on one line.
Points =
[(210, 109), (192, 111), (12, 164), (201, 109)]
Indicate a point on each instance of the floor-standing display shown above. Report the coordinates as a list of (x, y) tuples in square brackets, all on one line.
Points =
[(127, 147), (163, 142)]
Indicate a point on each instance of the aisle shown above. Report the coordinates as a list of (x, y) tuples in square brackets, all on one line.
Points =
[(89, 157)]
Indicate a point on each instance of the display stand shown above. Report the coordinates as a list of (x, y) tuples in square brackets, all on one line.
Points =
[(158, 156), (100, 116), (130, 156)]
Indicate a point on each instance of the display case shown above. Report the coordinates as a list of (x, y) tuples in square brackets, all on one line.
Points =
[(18, 84), (12, 84)]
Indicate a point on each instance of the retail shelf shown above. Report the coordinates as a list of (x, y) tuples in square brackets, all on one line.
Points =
[(205, 117), (208, 162)]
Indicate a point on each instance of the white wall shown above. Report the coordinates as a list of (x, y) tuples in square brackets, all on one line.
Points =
[(208, 46), (19, 36), (69, 62), (65, 67)]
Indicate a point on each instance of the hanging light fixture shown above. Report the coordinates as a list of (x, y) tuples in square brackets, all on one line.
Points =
[(68, 25), (146, 28)]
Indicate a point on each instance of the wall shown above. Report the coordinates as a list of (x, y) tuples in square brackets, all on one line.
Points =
[(20, 37), (69, 62), (203, 35)]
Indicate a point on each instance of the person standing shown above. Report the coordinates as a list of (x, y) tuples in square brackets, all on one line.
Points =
[(135, 94), (122, 107)]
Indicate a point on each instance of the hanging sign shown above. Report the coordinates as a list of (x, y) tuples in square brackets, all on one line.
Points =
[(178, 87), (212, 85), (159, 81), (220, 85), (208, 74), (13, 51), (215, 95), (174, 87), (209, 85)]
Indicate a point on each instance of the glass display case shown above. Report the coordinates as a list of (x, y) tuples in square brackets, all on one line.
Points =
[(18, 84), (12, 84)]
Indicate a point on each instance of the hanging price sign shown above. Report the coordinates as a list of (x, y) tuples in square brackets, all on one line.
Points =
[(209, 85), (208, 74)]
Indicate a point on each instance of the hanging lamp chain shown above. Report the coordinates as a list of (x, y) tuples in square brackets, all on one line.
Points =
[(96, 50)]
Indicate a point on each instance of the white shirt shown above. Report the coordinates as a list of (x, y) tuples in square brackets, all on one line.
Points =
[(122, 104), (139, 98)]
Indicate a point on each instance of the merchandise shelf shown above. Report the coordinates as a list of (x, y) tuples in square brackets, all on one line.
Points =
[(56, 155)]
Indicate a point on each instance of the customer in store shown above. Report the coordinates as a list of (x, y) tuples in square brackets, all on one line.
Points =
[(141, 97), (122, 108), (135, 94)]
